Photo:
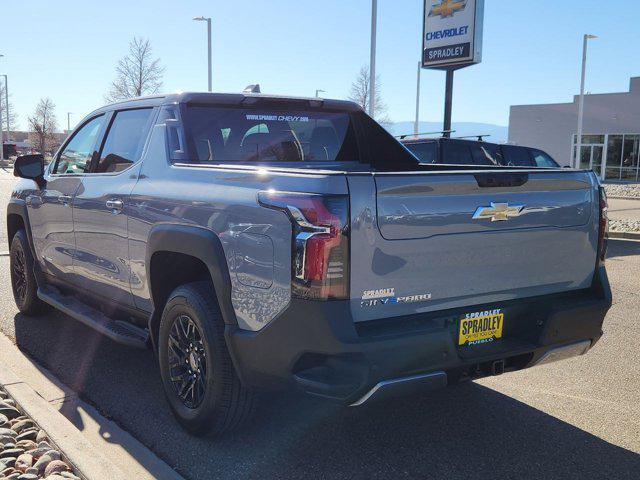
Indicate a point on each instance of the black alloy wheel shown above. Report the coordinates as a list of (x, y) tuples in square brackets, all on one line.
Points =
[(187, 361), (19, 276)]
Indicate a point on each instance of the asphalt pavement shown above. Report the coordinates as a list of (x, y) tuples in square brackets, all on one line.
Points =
[(574, 419)]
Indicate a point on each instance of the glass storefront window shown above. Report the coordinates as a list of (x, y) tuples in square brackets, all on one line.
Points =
[(589, 139), (614, 157), (622, 155)]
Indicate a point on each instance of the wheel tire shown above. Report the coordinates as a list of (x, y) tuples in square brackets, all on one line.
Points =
[(23, 280), (225, 404)]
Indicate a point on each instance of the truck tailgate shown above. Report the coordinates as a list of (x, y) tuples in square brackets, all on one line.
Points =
[(430, 241)]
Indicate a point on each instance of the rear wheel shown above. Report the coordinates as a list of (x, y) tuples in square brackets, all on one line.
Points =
[(23, 280), (198, 376)]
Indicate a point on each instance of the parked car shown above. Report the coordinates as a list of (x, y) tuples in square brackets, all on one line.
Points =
[(9, 150), (257, 242), (456, 151)]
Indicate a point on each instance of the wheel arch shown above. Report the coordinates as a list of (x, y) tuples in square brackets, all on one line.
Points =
[(17, 219), (200, 253)]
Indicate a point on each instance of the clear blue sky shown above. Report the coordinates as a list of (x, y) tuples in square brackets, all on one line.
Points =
[(67, 50)]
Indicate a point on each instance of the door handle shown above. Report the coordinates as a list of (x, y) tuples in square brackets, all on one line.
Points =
[(115, 206), (65, 200)]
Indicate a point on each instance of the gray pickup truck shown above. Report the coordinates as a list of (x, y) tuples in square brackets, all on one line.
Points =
[(257, 242)]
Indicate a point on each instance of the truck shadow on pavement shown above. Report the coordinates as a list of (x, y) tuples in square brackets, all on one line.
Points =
[(622, 248), (465, 431)]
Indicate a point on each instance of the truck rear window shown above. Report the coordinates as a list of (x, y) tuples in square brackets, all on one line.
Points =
[(217, 134), (426, 152)]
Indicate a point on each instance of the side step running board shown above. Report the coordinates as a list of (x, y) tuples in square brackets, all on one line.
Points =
[(116, 330)]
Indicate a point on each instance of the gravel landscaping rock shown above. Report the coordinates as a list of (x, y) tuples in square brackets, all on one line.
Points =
[(624, 225), (626, 190), (25, 452)]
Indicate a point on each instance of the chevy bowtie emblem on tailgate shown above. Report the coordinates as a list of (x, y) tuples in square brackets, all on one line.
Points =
[(498, 212)]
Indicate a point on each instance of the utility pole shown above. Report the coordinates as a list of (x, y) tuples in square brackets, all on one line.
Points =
[(585, 41), (372, 62), (416, 125)]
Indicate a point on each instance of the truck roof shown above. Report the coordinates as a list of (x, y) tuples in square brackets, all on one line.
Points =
[(222, 99)]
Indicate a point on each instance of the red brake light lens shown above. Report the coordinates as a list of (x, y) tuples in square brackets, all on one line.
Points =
[(320, 243), (603, 229)]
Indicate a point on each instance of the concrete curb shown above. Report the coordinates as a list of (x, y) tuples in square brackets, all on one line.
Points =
[(96, 446), (624, 235), (80, 453), (622, 198)]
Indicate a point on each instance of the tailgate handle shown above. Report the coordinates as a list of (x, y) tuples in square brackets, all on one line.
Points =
[(488, 180)]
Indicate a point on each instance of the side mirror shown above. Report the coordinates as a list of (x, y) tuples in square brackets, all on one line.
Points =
[(30, 167)]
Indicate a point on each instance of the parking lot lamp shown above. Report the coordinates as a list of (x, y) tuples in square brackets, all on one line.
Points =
[(587, 37), (6, 103), (1, 132), (208, 20), (318, 91)]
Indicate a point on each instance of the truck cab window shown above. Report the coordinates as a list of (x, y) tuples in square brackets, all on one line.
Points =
[(541, 159), (517, 156), (77, 154), (456, 153), (125, 140)]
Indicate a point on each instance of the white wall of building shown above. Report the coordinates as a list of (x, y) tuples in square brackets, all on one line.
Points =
[(551, 126)]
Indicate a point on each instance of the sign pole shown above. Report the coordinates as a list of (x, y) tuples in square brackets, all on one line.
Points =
[(448, 100), (416, 125)]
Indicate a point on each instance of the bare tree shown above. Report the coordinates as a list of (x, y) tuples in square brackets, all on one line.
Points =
[(360, 93), (43, 124), (12, 120), (137, 74)]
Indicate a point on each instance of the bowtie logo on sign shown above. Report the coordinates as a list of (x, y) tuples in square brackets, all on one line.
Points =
[(447, 8)]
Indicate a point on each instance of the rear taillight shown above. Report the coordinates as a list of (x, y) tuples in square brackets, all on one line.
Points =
[(320, 243), (603, 229)]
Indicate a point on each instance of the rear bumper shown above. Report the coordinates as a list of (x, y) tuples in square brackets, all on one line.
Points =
[(317, 346)]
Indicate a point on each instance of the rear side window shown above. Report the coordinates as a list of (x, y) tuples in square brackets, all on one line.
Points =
[(216, 134), (426, 152), (517, 156), (485, 154), (541, 159), (456, 153), (125, 140)]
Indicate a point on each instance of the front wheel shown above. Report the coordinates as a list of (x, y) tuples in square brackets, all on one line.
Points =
[(198, 376), (23, 280)]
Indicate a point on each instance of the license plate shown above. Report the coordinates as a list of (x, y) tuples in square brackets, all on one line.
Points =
[(481, 327)]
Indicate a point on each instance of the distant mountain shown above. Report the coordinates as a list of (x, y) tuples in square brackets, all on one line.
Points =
[(499, 134)]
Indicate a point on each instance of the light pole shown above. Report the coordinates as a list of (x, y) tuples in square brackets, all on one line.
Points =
[(372, 62), (208, 20), (586, 39), (1, 132), (319, 91), (69, 121), (6, 103), (416, 125)]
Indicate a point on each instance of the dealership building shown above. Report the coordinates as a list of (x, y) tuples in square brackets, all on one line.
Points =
[(610, 143)]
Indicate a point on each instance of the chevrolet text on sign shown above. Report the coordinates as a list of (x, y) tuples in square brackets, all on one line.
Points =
[(452, 33)]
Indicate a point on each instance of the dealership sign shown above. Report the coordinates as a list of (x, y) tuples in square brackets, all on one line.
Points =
[(452, 35)]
